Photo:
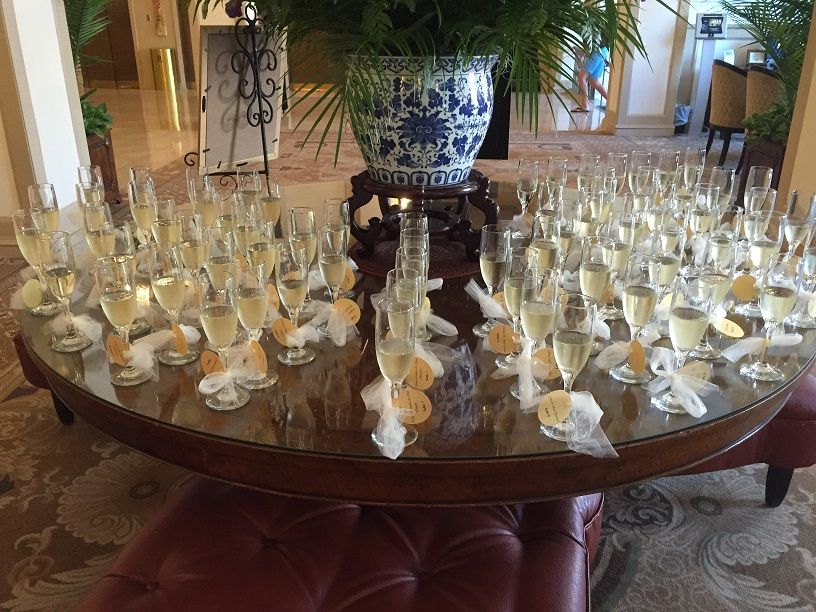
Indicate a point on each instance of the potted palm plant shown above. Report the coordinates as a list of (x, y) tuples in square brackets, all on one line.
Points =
[(87, 20), (416, 84), (781, 28)]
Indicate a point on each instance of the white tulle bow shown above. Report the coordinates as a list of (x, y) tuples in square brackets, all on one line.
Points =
[(491, 309), (685, 386), (751, 346), (389, 430)]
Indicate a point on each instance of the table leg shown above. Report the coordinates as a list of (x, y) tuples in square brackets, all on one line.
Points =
[(776, 485), (64, 414)]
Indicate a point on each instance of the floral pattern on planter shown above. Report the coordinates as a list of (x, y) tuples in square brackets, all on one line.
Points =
[(417, 135)]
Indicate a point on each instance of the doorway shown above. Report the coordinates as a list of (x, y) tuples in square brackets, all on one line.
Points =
[(114, 48)]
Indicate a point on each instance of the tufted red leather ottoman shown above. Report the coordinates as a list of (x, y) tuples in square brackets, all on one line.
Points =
[(219, 547)]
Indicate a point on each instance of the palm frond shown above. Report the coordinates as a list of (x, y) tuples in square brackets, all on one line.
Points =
[(86, 20)]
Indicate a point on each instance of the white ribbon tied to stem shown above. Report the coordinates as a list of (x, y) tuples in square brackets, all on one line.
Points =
[(390, 431), (522, 224), (569, 281), (336, 325), (83, 323), (240, 364), (16, 300), (686, 387), (491, 309), (751, 346), (301, 335), (619, 351), (584, 432)]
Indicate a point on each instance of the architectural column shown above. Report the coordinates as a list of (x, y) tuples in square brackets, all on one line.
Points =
[(643, 90), (42, 120)]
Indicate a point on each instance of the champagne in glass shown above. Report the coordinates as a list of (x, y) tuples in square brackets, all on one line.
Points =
[(395, 351), (637, 159), (27, 233), (170, 289), (518, 263), (526, 182), (493, 254), (42, 201), (142, 197), (798, 224), (219, 318), (59, 270), (292, 273), (723, 178), (572, 343), (204, 198), (778, 290), (594, 273), (764, 230), (117, 296), (221, 259), (263, 251), (166, 227), (92, 175), (545, 242), (99, 231), (688, 320), (759, 177), (248, 186), (717, 269), (252, 301), (807, 276), (248, 222), (640, 293), (332, 258), (90, 194)]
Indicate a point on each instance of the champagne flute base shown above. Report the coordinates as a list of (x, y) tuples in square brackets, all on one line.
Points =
[(172, 358), (71, 344), (223, 401), (705, 351), (507, 361), (597, 347), (668, 402), (49, 309), (610, 313), (515, 390), (408, 431), (761, 371), (558, 432), (192, 321), (139, 327), (262, 381), (129, 377), (626, 374), (424, 334), (801, 320), (342, 293), (292, 357), (749, 309), (483, 329)]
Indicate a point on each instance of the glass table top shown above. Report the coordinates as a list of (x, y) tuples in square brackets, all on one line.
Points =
[(317, 407)]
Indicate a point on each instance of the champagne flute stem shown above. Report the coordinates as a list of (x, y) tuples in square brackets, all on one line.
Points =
[(634, 332), (568, 380), (46, 297), (763, 355), (124, 334), (70, 330)]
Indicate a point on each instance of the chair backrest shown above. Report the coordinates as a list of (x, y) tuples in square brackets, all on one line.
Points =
[(763, 88), (728, 86)]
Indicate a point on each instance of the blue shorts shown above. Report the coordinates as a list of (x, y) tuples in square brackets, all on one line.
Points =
[(596, 63)]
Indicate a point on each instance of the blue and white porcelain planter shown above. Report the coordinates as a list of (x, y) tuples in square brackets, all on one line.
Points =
[(425, 127)]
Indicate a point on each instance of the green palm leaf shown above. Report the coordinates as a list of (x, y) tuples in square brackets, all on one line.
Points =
[(86, 20)]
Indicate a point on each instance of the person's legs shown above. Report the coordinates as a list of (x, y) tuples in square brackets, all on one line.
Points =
[(582, 87), (598, 86)]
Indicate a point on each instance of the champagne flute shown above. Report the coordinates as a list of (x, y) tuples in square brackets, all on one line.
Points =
[(204, 198), (717, 269), (688, 177), (271, 202), (336, 212), (302, 228), (394, 344), (227, 214), (247, 229), (647, 181), (117, 296), (90, 194), (292, 273), (700, 217), (764, 233), (517, 264), (332, 248), (165, 226), (570, 218), (405, 285), (688, 320), (807, 276), (668, 163), (758, 176), (142, 199), (637, 159), (594, 273), (539, 294), (27, 232), (193, 251), (167, 281), (777, 297), (723, 178), (758, 199), (493, 253), (668, 245), (618, 162), (252, 300), (526, 182), (728, 221), (59, 269), (221, 260), (219, 318), (99, 231), (141, 174), (620, 232), (640, 293), (263, 251), (554, 181), (42, 201), (91, 174), (124, 251), (545, 242), (798, 227), (572, 343), (416, 258), (587, 169), (248, 186)]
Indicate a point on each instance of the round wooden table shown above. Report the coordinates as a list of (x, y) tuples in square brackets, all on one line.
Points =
[(309, 435)]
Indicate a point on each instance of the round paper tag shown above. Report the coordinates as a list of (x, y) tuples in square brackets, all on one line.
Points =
[(697, 369), (502, 339), (728, 328), (420, 376), (426, 303), (744, 288), (179, 340), (350, 310), (274, 299), (811, 306), (116, 350), (637, 357), (280, 329), (348, 280), (258, 355), (554, 407), (32, 294), (414, 405), (545, 356), (499, 297), (211, 362)]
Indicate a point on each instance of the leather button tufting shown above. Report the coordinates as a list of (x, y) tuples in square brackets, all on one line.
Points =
[(150, 586)]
